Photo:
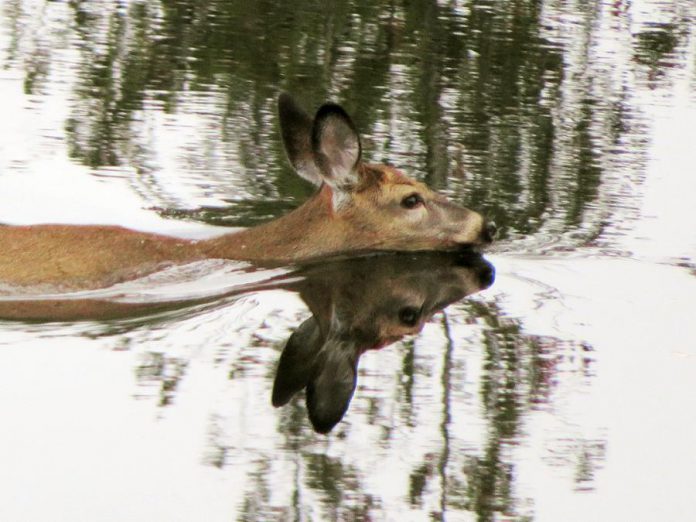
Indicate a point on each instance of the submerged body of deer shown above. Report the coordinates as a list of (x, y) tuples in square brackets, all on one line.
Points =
[(358, 207)]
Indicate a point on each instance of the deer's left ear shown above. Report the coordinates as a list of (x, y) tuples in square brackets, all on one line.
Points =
[(336, 147), (297, 362)]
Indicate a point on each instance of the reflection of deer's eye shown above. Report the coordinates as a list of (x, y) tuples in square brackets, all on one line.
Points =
[(412, 201), (409, 315)]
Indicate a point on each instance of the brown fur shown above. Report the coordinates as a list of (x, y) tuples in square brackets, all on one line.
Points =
[(64, 257)]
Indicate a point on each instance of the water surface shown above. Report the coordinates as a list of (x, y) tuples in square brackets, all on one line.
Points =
[(564, 391)]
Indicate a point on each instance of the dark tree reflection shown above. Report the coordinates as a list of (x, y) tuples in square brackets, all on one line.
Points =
[(461, 96), (512, 108)]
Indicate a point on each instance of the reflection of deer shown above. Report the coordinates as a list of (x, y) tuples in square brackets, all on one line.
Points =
[(357, 304), (361, 304), (358, 207)]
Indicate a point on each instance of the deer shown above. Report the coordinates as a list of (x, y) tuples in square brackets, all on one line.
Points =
[(357, 207)]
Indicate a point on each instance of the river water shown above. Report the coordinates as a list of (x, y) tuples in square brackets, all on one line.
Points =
[(564, 390)]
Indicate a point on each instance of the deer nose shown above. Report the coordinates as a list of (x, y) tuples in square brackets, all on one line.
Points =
[(490, 230)]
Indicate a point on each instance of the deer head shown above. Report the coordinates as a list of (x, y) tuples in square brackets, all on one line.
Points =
[(369, 206)]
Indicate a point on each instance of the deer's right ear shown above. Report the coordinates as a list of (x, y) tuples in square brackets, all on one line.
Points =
[(296, 130), (336, 147)]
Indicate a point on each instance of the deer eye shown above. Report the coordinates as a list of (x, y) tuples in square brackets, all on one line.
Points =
[(409, 315), (412, 201)]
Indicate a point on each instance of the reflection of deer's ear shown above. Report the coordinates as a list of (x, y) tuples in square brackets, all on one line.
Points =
[(297, 362), (296, 129), (331, 389)]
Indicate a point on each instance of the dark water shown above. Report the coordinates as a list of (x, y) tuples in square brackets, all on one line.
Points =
[(564, 391)]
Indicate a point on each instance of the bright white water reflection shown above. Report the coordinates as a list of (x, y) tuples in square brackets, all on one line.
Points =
[(561, 392)]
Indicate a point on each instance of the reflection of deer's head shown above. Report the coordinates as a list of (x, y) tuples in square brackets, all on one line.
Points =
[(361, 304)]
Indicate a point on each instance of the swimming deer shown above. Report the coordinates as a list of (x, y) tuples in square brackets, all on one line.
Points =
[(358, 207)]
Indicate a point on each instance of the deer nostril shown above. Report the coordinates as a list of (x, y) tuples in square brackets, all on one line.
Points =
[(490, 230)]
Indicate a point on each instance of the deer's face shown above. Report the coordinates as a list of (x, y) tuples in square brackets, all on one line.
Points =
[(389, 211)]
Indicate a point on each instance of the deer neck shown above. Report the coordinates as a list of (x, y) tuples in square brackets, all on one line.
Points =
[(311, 230)]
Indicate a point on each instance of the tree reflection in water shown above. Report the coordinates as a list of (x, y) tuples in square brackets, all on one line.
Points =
[(533, 111), (468, 88)]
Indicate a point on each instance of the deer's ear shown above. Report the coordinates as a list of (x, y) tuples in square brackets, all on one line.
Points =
[(296, 130), (336, 147), (331, 388), (297, 362)]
